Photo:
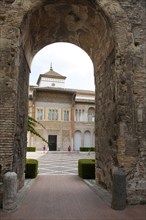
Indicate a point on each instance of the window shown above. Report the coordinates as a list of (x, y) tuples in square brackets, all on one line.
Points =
[(91, 114), (53, 114), (66, 115), (39, 114), (79, 115)]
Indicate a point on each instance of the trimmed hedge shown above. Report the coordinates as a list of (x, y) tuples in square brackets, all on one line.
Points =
[(31, 168), (31, 149), (86, 168), (86, 149)]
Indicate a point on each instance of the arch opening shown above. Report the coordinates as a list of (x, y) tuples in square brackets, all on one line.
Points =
[(67, 59), (86, 26)]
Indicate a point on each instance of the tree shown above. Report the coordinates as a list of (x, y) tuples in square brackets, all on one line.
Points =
[(32, 123)]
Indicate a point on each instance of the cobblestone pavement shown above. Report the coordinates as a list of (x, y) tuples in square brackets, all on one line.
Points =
[(59, 194)]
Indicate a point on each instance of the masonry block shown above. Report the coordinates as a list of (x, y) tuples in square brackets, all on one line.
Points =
[(10, 191), (119, 190)]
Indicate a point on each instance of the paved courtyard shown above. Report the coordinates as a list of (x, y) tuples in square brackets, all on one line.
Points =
[(59, 194), (59, 163)]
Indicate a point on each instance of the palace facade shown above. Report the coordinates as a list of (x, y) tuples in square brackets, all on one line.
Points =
[(68, 115)]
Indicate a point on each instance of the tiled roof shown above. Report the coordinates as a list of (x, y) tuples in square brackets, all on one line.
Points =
[(51, 74)]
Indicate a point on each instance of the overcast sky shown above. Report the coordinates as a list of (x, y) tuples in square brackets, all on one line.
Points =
[(67, 60)]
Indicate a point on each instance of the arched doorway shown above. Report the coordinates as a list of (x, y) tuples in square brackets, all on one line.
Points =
[(77, 140), (87, 139), (105, 30)]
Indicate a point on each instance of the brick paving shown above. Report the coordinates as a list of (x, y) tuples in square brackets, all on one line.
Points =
[(66, 197)]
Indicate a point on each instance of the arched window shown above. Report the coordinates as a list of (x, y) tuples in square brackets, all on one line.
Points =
[(91, 114), (79, 115)]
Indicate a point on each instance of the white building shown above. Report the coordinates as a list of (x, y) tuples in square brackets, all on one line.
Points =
[(67, 114)]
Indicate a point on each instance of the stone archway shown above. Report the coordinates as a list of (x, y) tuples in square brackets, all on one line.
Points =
[(114, 39), (73, 22)]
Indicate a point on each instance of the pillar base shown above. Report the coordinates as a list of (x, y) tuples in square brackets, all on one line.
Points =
[(10, 191)]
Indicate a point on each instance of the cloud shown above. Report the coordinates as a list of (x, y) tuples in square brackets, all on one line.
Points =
[(68, 60)]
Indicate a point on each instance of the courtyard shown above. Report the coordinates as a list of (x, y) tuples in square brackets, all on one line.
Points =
[(58, 193)]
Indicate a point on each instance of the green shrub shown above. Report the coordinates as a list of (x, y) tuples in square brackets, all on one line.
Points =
[(31, 168), (86, 168), (86, 149), (31, 149)]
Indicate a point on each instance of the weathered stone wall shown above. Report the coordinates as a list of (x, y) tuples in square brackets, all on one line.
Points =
[(20, 138), (136, 63), (9, 56), (113, 33), (129, 104), (106, 124), (14, 89)]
